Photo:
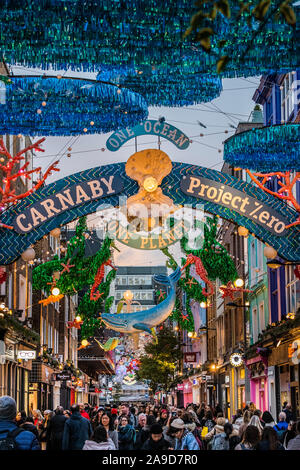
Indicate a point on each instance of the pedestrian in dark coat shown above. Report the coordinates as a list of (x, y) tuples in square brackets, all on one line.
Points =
[(77, 430), (126, 434), (55, 429), (25, 440), (29, 426), (156, 440)]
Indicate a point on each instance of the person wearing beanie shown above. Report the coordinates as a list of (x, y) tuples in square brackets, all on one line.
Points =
[(156, 440), (24, 440), (218, 429), (184, 439)]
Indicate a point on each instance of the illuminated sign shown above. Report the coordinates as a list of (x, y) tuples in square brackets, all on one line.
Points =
[(26, 355)]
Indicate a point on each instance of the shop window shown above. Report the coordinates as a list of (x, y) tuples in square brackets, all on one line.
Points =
[(261, 317), (254, 325)]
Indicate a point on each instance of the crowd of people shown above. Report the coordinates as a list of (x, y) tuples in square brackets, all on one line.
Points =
[(146, 427)]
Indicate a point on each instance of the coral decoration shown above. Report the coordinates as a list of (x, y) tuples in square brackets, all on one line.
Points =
[(285, 193), (11, 174), (3, 275), (229, 290), (202, 273), (297, 271), (67, 266), (74, 324), (51, 299), (98, 279)]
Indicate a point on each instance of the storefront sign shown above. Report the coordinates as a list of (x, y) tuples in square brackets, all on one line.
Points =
[(149, 127), (10, 351), (190, 357), (63, 376), (236, 201), (26, 355), (179, 386), (65, 200), (227, 379)]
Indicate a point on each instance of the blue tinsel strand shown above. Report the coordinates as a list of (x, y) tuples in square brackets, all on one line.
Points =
[(267, 149), (84, 34), (71, 105)]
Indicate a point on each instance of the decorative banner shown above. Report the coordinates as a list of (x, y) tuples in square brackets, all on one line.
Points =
[(161, 129), (237, 201), (265, 226), (65, 200)]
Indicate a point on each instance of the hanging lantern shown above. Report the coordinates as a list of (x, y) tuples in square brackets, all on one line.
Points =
[(243, 232), (55, 232), (270, 252), (28, 255)]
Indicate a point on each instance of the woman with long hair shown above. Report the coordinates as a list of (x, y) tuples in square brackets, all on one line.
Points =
[(108, 423), (246, 421), (269, 440), (99, 440), (126, 434), (268, 419), (250, 439), (97, 418), (163, 417)]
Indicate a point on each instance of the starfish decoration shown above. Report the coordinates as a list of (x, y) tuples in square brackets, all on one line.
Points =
[(229, 289), (82, 347), (74, 324), (184, 317), (96, 295), (67, 266), (161, 294), (190, 282)]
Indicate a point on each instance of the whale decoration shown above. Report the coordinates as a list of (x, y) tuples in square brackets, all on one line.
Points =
[(132, 323)]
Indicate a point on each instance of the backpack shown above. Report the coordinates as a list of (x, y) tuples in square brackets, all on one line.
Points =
[(219, 442), (197, 436), (9, 442), (243, 447), (280, 432)]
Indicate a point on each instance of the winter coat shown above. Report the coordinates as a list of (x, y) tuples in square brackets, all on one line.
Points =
[(187, 442), (162, 444), (77, 430), (93, 445), (32, 428), (265, 445), (26, 440), (216, 430), (171, 440), (142, 434), (113, 435), (85, 415), (55, 432), (126, 436), (294, 444)]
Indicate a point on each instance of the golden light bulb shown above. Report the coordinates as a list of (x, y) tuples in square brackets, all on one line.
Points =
[(128, 295), (78, 318), (203, 304), (84, 342), (239, 282), (190, 334), (55, 291), (150, 184)]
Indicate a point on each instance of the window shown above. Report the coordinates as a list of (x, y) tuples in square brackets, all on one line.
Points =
[(253, 262), (22, 295), (292, 290), (261, 317), (118, 295), (254, 325), (149, 295), (287, 97)]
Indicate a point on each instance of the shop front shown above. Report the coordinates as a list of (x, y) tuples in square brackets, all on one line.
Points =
[(187, 392), (224, 391), (41, 387), (258, 375), (15, 366)]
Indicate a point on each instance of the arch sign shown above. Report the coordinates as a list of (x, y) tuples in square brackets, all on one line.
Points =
[(169, 184)]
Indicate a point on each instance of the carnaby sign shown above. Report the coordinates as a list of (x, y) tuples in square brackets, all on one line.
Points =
[(66, 199), (235, 200), (161, 129)]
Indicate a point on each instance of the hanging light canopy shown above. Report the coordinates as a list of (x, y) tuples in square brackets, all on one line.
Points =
[(71, 107), (84, 34), (272, 148)]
